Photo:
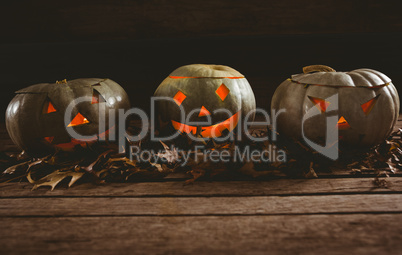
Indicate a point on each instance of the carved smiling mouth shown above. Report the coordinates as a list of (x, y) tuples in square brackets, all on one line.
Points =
[(209, 131), (74, 142)]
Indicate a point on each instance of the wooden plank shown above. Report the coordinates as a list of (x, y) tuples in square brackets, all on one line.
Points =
[(306, 234), (281, 187), (271, 205)]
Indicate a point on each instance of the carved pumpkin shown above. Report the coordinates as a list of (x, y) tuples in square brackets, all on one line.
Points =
[(204, 90), (35, 116), (363, 105)]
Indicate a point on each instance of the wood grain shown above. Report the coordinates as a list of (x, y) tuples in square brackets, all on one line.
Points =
[(273, 205), (281, 187), (329, 215), (303, 234)]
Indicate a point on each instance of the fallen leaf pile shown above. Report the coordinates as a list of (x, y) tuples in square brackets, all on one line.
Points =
[(102, 163)]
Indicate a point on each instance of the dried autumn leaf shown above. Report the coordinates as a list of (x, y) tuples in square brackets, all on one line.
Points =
[(102, 156), (161, 167), (311, 173), (13, 169), (55, 178), (392, 167), (122, 160), (171, 156), (37, 162), (380, 182), (164, 145), (196, 173)]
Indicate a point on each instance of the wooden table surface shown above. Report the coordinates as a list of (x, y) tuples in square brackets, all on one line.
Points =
[(337, 213)]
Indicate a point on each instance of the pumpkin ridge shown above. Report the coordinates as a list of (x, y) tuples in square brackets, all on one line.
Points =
[(207, 71), (194, 77), (28, 127), (378, 74), (338, 86), (356, 76), (365, 117), (32, 93), (203, 86)]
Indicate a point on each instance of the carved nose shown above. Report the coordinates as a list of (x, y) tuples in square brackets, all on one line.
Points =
[(204, 112), (342, 124)]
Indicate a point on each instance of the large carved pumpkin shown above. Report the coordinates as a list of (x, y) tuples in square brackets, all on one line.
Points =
[(205, 90), (360, 106), (35, 116)]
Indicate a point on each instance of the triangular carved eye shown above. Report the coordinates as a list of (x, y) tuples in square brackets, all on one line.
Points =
[(321, 104), (97, 97), (368, 106), (48, 107), (79, 119)]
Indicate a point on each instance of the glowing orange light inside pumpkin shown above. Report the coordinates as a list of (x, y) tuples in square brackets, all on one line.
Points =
[(368, 106), (222, 91), (179, 98), (321, 104), (183, 128), (204, 112), (342, 123), (49, 139), (83, 143), (50, 108), (78, 120), (210, 131)]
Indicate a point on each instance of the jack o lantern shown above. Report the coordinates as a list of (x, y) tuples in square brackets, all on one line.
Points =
[(35, 116), (209, 92), (365, 102)]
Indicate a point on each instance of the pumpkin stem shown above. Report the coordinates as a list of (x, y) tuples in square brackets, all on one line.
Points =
[(62, 81), (317, 68)]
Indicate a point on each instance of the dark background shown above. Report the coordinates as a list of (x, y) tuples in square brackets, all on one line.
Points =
[(138, 43)]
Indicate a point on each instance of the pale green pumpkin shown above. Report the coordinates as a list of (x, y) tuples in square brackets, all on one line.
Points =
[(367, 106)]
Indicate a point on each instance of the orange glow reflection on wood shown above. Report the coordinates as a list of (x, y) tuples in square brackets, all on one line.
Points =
[(321, 104), (78, 120), (342, 123), (204, 112), (179, 98), (50, 108), (368, 106), (222, 91)]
